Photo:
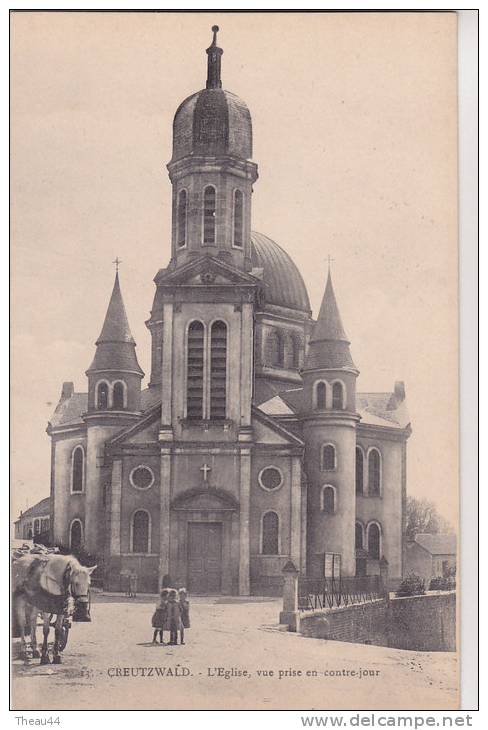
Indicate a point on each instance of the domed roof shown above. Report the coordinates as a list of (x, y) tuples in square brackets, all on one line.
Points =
[(283, 283), (212, 122)]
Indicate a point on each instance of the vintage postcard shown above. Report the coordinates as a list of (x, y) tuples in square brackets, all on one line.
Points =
[(256, 506)]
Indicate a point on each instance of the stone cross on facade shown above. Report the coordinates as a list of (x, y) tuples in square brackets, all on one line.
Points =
[(205, 469)]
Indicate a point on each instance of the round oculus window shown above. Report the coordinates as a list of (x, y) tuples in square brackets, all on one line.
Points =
[(141, 477), (270, 478)]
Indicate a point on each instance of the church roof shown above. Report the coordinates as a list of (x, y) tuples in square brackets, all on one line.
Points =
[(283, 283), (329, 345), (375, 409), (115, 345), (70, 410)]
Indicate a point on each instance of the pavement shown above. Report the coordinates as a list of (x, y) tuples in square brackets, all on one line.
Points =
[(235, 657)]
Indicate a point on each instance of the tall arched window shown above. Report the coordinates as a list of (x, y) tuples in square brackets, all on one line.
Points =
[(118, 396), (358, 542), (102, 396), (328, 457), (181, 217), (295, 351), (320, 396), (37, 527), (76, 535), (374, 540), (140, 532), (328, 500), (238, 218), (359, 471), (274, 349), (194, 382), (209, 215), (337, 396), (77, 469), (374, 472), (218, 370), (270, 534)]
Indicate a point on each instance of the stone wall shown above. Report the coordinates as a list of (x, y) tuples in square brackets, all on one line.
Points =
[(418, 623), (425, 623), (360, 624)]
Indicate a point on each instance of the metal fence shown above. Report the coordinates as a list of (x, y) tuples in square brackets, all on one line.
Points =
[(323, 593)]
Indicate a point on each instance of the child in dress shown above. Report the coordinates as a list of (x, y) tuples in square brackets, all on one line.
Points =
[(184, 613), (173, 616), (159, 616)]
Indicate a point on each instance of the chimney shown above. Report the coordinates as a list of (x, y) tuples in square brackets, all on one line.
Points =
[(67, 391), (399, 391)]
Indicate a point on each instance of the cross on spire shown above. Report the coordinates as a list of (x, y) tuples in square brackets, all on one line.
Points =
[(117, 262), (330, 260)]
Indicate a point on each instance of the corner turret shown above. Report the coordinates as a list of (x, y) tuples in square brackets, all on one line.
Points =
[(114, 377)]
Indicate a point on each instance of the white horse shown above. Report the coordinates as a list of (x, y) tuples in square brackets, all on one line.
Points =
[(53, 585)]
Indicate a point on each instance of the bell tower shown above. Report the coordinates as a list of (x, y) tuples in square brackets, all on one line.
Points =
[(212, 173)]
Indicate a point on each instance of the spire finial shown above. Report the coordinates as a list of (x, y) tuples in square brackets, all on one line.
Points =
[(214, 54), (117, 263), (330, 261)]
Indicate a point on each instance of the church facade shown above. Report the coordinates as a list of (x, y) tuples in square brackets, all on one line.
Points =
[(250, 445)]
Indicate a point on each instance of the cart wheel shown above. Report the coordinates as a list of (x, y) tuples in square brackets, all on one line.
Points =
[(63, 639)]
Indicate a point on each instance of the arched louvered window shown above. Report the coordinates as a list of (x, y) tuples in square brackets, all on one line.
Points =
[(320, 395), (295, 351), (374, 472), (374, 541), (209, 214), (358, 536), (118, 396), (218, 370), (337, 396), (328, 500), (76, 535), (359, 471), (194, 376), (102, 396), (270, 534), (140, 532), (328, 457), (77, 469), (182, 217), (274, 349), (238, 218)]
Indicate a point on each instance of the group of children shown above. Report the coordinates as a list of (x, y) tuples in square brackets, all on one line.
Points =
[(172, 614)]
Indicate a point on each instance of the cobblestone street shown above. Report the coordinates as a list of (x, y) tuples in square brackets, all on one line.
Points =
[(239, 636)]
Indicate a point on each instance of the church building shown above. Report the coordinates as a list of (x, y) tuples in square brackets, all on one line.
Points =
[(250, 446)]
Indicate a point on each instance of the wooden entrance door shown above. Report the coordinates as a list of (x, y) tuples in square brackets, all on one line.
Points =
[(204, 557)]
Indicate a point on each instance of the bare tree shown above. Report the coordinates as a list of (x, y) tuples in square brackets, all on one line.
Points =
[(422, 516)]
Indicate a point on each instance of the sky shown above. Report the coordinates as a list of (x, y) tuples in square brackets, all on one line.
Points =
[(354, 128)]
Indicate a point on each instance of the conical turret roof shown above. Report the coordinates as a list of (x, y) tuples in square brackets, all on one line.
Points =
[(116, 325), (329, 345), (115, 345)]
